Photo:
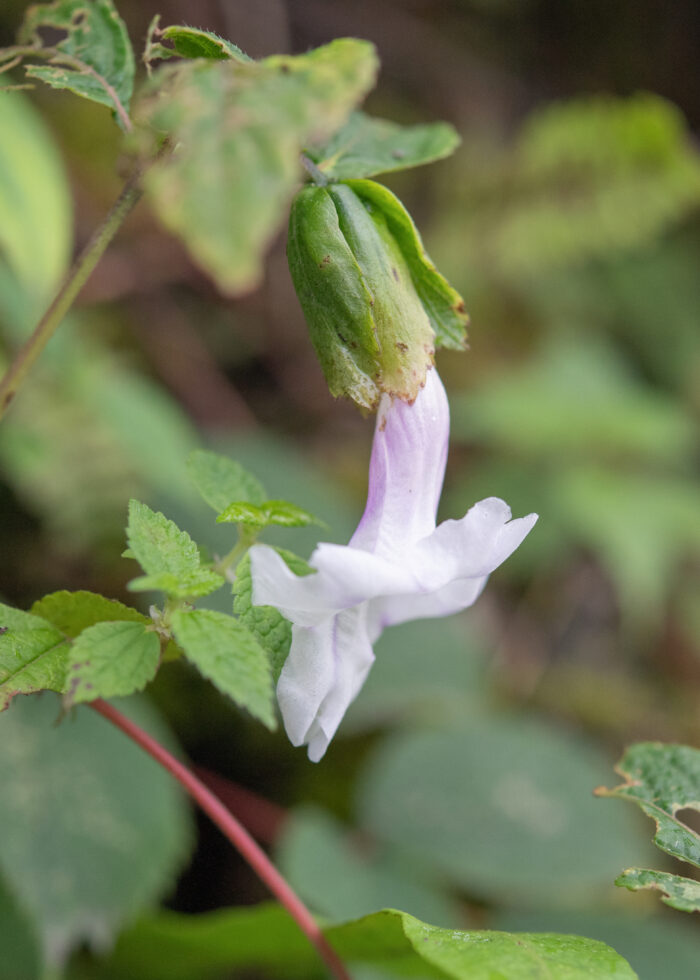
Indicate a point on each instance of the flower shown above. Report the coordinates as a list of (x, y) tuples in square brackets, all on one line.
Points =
[(397, 566)]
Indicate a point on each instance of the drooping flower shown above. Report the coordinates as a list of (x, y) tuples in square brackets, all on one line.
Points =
[(398, 566)]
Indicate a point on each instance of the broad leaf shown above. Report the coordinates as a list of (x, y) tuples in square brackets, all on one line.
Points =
[(32, 655), (272, 512), (366, 146), (442, 303), (244, 124), (168, 555), (228, 654), (73, 612), (272, 631), (111, 660), (662, 780), (93, 831), (221, 480), (172, 946), (35, 210), (94, 59)]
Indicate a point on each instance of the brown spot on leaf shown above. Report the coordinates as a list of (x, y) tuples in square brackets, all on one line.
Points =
[(401, 346), (324, 261), (395, 273)]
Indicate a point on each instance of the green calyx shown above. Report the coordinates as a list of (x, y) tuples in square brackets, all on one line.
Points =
[(368, 290)]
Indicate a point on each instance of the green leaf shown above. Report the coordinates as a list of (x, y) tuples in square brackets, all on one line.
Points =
[(21, 956), (94, 59), (172, 946), (366, 146), (272, 631), (678, 892), (73, 612), (220, 480), (228, 654), (168, 555), (442, 303), (501, 807), (190, 42), (111, 660), (35, 207), (33, 655), (239, 129), (279, 512), (93, 831), (662, 780)]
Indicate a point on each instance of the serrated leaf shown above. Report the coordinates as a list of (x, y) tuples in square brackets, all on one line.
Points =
[(93, 831), (272, 631), (220, 480), (442, 303), (678, 892), (168, 555), (272, 512), (173, 946), (33, 655), (661, 780), (94, 59), (73, 612), (190, 42), (238, 130), (367, 146), (228, 654), (111, 660)]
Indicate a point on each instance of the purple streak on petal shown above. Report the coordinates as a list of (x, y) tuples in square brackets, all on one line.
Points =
[(406, 471)]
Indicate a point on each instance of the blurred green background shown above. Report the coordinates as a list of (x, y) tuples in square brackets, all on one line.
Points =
[(459, 787)]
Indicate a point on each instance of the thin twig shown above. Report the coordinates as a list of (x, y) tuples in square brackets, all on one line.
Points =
[(234, 831)]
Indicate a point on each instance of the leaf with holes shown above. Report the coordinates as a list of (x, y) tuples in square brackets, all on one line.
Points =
[(111, 660), (366, 146), (239, 129), (219, 480), (663, 780), (33, 655), (94, 59)]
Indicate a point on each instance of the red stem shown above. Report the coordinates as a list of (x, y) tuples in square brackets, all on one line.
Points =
[(234, 831)]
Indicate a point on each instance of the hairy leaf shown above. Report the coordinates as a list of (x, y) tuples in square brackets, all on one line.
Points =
[(366, 146), (279, 512), (73, 612), (238, 129), (221, 480), (229, 655), (32, 655), (190, 42), (94, 59), (111, 660)]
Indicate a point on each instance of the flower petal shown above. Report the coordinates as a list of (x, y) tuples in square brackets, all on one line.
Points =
[(406, 471), (470, 548), (451, 598), (326, 667)]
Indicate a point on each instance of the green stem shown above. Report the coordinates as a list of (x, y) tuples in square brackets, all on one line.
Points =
[(228, 563), (76, 278)]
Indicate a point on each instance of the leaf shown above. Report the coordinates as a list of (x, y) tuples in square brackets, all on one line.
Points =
[(229, 655), (678, 892), (94, 59), (168, 555), (238, 129), (220, 480), (35, 207), (111, 660), (279, 512), (73, 612), (272, 631), (20, 949), (661, 780), (442, 303), (495, 807), (32, 655), (172, 946), (190, 42), (93, 831), (366, 146)]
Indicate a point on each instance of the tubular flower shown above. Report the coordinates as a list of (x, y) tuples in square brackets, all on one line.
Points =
[(397, 566)]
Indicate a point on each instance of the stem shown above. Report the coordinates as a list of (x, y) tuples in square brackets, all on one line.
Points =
[(76, 278), (234, 831)]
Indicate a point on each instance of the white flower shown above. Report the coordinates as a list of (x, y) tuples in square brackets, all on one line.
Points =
[(398, 566)]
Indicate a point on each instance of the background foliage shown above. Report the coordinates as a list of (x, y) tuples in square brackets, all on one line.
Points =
[(461, 790)]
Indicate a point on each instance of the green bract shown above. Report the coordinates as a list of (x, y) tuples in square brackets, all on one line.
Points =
[(374, 302)]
